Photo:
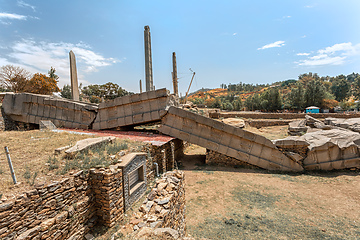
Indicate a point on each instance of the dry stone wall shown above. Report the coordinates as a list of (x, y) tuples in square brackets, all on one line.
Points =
[(108, 194), (167, 155), (69, 208), (260, 115), (60, 210), (216, 158)]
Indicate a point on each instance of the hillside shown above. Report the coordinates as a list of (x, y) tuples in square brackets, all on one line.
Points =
[(308, 90)]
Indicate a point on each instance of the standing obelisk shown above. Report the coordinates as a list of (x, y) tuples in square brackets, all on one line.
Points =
[(148, 60), (73, 75), (174, 75)]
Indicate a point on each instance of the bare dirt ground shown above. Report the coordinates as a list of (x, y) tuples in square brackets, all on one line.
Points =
[(235, 203), (241, 203)]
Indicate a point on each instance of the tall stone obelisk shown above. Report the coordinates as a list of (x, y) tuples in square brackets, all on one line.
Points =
[(148, 60), (73, 75), (174, 75)]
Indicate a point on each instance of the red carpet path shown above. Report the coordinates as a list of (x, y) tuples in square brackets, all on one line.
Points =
[(155, 139)]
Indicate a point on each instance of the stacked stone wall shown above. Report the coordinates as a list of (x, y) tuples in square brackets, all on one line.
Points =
[(280, 115), (108, 194), (267, 123), (60, 210), (215, 158), (69, 208), (167, 156)]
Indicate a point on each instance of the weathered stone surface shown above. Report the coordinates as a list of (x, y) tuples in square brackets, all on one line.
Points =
[(134, 110), (236, 122), (29, 233), (32, 108), (352, 124), (6, 206), (297, 127), (234, 142), (324, 149), (45, 225), (88, 143), (74, 80)]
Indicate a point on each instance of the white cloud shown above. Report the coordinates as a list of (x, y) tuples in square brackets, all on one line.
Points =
[(303, 54), (6, 17), (40, 56), (304, 36), (14, 16), (333, 55), (24, 4), (272, 45), (234, 34)]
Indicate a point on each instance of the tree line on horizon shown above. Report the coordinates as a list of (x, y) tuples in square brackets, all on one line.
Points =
[(16, 79), (308, 90)]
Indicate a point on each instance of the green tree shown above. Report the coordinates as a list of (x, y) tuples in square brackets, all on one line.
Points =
[(66, 91), (296, 97), (271, 100), (314, 94), (237, 105), (253, 102), (340, 88), (106, 91), (52, 74), (356, 88)]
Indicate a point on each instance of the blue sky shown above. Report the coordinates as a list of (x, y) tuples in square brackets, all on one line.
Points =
[(222, 41)]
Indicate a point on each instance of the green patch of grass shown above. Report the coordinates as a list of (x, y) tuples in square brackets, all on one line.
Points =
[(116, 147), (268, 226), (205, 181), (53, 163), (30, 178), (254, 198), (95, 157)]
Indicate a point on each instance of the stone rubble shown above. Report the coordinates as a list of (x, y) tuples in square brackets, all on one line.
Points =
[(164, 208)]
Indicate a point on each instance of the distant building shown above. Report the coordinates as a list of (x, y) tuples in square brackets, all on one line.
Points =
[(312, 109)]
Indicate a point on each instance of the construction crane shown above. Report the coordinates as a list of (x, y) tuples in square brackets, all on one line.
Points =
[(192, 78)]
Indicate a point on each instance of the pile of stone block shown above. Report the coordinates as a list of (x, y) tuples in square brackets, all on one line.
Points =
[(164, 207), (352, 124), (323, 149)]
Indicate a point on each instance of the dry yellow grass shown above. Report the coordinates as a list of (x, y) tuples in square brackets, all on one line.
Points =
[(30, 151)]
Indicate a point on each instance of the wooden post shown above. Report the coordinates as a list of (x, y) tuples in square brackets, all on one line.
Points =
[(174, 75)]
